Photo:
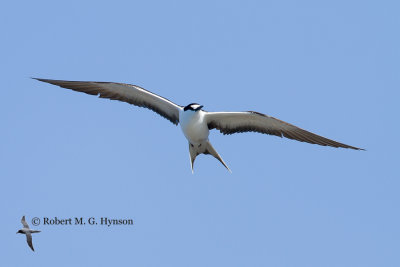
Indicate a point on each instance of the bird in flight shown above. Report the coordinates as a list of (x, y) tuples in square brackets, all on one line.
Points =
[(28, 232), (195, 122)]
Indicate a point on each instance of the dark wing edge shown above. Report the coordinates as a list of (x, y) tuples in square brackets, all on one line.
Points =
[(143, 98), (251, 121), (29, 241), (24, 223)]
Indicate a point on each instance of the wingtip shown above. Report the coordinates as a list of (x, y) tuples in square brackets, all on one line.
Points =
[(43, 80), (39, 79)]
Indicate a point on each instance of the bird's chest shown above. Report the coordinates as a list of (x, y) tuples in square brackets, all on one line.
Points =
[(194, 126)]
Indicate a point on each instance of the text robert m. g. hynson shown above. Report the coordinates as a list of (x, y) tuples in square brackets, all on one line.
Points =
[(81, 221)]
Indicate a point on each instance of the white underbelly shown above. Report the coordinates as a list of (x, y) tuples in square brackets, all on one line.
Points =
[(194, 127)]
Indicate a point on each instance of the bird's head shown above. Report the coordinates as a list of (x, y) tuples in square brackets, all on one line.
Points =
[(193, 106), (20, 232)]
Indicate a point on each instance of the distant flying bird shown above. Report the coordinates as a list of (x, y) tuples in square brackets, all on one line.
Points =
[(28, 232), (195, 122)]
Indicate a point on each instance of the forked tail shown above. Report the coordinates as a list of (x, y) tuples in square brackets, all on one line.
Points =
[(204, 148)]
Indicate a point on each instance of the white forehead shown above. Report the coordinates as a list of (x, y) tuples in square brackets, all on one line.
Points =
[(195, 106)]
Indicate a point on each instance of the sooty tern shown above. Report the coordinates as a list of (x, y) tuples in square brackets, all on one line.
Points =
[(28, 232), (195, 122)]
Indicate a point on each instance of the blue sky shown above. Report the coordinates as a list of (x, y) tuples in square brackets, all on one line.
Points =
[(331, 67)]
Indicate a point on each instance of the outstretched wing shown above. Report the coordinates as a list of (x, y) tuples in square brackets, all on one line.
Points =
[(131, 94), (250, 121), (24, 223), (29, 240)]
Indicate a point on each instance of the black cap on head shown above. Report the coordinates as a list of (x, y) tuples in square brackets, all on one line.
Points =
[(193, 106)]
